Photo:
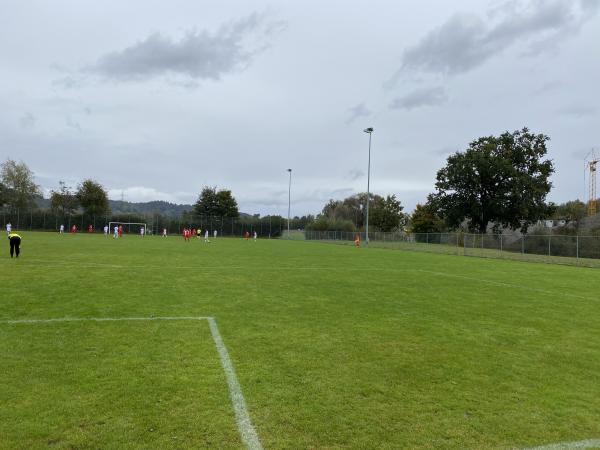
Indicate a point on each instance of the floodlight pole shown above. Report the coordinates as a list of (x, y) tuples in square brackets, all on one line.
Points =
[(289, 200), (370, 132)]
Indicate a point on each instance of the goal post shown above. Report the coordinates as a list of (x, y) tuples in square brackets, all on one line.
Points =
[(128, 227)]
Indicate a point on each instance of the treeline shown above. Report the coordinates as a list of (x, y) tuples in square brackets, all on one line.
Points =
[(385, 214), (497, 183), (22, 204)]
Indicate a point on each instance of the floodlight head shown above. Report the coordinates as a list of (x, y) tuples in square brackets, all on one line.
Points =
[(368, 130), (289, 170)]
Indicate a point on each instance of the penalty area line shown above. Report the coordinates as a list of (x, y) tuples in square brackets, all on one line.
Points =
[(246, 429)]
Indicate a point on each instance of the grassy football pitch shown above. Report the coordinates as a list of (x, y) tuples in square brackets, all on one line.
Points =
[(332, 346)]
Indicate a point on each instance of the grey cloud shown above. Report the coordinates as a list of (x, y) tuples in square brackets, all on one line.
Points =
[(550, 86), (467, 41), (27, 121), (196, 55), (578, 111), (445, 151), (419, 98), (357, 112), (73, 124), (355, 174)]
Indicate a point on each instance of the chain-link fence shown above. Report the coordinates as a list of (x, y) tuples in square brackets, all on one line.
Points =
[(557, 249), (48, 220)]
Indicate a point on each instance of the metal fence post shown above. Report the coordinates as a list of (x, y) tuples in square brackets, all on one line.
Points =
[(523, 245), (577, 242), (549, 245)]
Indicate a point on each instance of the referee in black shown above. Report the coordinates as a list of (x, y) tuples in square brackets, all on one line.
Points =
[(15, 244)]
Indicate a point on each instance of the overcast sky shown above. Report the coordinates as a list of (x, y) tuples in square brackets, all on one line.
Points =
[(155, 99)]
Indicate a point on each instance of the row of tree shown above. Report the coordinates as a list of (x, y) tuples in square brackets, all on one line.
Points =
[(498, 182), (385, 214), (18, 190)]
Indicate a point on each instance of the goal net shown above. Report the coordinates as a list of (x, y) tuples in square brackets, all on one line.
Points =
[(128, 227)]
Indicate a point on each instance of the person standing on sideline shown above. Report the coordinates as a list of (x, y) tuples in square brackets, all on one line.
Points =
[(215, 234), (61, 229), (8, 228), (206, 236), (116, 231), (105, 230), (15, 243), (255, 236)]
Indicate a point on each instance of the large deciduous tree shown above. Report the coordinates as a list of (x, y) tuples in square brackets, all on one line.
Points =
[(93, 198), (63, 200), (425, 220), (573, 210), (216, 203), (228, 206), (386, 214), (19, 188), (502, 180), (3, 195)]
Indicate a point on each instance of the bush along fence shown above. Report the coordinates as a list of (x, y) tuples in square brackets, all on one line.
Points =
[(559, 249)]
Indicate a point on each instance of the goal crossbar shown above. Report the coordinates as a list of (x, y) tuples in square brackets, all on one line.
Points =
[(112, 224)]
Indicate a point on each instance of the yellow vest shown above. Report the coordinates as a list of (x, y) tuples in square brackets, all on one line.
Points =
[(12, 235)]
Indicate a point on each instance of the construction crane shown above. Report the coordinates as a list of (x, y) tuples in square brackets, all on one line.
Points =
[(591, 165)]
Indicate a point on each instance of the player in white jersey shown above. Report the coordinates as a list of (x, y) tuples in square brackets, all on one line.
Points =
[(206, 236), (215, 234), (116, 232), (61, 229), (8, 228), (255, 236), (142, 231), (164, 232), (106, 230)]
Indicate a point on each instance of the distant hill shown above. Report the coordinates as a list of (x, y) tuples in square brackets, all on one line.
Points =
[(153, 207), (122, 207)]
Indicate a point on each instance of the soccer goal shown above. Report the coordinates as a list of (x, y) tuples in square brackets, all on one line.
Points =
[(128, 227)]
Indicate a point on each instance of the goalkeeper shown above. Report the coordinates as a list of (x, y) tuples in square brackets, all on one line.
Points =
[(15, 244)]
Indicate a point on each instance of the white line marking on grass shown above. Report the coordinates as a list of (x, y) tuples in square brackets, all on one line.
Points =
[(247, 431), (590, 443), (242, 417)]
